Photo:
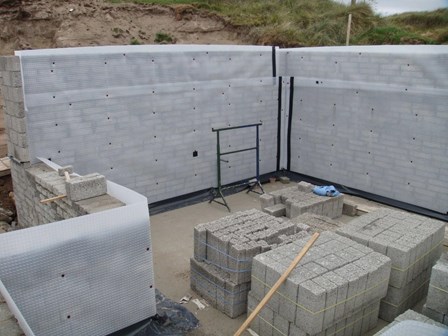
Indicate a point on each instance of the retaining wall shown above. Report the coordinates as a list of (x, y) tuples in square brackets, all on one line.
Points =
[(372, 118), (143, 116)]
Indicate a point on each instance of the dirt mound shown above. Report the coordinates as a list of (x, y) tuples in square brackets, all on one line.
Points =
[(37, 24), (31, 24)]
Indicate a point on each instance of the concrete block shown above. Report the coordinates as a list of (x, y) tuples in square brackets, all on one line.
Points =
[(266, 200), (433, 314), (305, 186), (13, 94), (278, 210), (200, 242), (21, 154), (88, 186), (330, 299), (11, 63), (281, 326), (12, 78), (349, 208), (284, 179), (14, 108), (312, 296)]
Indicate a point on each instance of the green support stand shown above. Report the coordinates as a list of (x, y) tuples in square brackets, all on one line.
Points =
[(251, 183)]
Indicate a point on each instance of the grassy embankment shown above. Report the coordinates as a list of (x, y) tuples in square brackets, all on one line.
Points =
[(290, 23)]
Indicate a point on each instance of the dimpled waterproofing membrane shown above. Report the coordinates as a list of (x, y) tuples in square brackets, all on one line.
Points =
[(90, 275)]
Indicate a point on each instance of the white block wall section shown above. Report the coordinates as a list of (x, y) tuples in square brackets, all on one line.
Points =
[(89, 275), (137, 114), (373, 118)]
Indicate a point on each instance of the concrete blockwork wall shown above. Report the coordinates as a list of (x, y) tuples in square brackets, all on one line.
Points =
[(372, 118), (137, 114)]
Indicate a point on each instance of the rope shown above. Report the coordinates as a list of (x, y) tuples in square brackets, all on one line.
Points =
[(417, 260), (223, 267), (440, 289), (329, 307), (335, 332), (227, 292), (413, 292), (224, 253)]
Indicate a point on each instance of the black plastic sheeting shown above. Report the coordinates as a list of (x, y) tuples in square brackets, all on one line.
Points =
[(204, 195), (172, 319)]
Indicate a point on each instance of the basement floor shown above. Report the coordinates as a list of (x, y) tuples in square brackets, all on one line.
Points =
[(172, 237)]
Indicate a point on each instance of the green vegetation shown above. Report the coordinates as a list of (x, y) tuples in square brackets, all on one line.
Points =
[(135, 41), (163, 38), (433, 25), (289, 23)]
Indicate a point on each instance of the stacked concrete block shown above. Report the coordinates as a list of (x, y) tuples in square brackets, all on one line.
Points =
[(412, 242), (410, 315), (300, 199), (224, 250), (336, 288), (316, 223), (436, 306), (341, 104), (11, 89)]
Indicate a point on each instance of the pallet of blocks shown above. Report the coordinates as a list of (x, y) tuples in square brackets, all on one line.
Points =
[(335, 290), (412, 242), (299, 199), (223, 253), (436, 306), (410, 315)]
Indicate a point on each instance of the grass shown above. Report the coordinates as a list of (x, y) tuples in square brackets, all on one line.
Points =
[(163, 38), (135, 41), (433, 25), (290, 23)]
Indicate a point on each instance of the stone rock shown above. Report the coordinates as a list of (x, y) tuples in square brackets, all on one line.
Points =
[(4, 227), (6, 215)]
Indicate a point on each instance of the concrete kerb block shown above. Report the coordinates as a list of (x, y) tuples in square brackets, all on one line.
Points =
[(84, 187)]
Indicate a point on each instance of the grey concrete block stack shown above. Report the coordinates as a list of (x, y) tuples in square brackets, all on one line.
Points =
[(317, 223), (436, 306), (336, 288), (11, 89), (223, 253), (300, 199), (412, 242), (410, 315)]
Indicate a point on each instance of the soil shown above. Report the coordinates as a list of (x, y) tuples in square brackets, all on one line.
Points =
[(5, 188), (32, 24), (37, 24)]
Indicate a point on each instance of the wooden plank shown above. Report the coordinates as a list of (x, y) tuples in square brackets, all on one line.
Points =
[(5, 166), (277, 284)]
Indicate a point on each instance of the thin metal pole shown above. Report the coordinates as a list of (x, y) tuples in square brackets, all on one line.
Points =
[(258, 155), (218, 153)]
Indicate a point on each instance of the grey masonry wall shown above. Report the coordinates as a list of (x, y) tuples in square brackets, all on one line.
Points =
[(372, 118), (137, 114)]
